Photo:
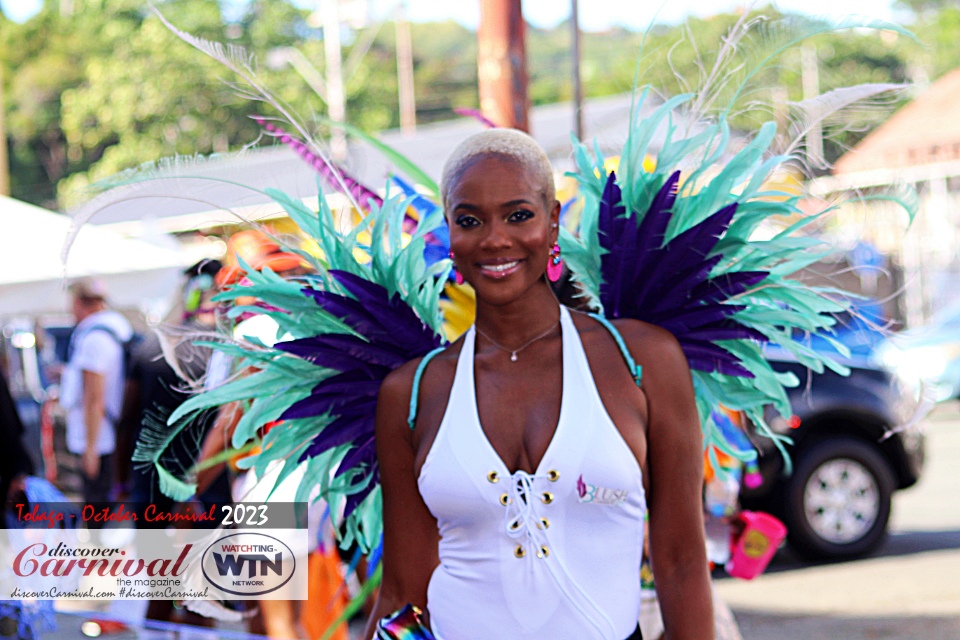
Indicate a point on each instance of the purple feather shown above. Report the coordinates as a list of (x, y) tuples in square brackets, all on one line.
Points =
[(680, 264), (691, 317), (353, 500), (392, 335), (669, 283), (476, 115), (330, 172), (725, 286), (630, 247)]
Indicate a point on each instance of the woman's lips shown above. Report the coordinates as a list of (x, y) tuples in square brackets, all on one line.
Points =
[(499, 270)]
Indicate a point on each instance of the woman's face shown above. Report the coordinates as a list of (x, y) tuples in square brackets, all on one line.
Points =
[(501, 230)]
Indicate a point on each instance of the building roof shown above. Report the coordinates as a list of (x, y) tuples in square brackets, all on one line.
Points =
[(925, 131)]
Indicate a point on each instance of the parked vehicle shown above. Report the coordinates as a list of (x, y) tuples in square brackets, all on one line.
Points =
[(930, 352), (848, 455)]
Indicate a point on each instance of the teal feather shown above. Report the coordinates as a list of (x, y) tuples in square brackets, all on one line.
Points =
[(280, 379)]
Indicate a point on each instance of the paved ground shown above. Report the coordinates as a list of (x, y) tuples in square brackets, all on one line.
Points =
[(909, 590)]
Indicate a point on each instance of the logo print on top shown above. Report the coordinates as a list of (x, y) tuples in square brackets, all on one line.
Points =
[(600, 495), (248, 564)]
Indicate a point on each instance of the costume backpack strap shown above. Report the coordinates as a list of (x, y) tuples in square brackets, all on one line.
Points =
[(412, 417), (635, 369)]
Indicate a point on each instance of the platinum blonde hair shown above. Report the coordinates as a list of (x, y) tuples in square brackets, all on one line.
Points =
[(510, 143)]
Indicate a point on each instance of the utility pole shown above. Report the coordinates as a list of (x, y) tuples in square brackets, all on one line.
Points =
[(4, 162), (408, 101), (810, 74), (577, 86), (336, 98), (502, 64)]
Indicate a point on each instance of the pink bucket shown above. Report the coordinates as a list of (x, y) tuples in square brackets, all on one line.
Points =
[(752, 550)]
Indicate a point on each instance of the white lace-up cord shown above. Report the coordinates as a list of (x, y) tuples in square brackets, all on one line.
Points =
[(521, 520)]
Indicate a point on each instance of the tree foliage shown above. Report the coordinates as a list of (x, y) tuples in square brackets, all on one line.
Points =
[(108, 87)]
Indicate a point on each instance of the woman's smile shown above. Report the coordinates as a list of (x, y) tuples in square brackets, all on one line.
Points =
[(499, 269)]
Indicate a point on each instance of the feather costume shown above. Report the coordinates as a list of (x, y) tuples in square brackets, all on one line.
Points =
[(669, 242)]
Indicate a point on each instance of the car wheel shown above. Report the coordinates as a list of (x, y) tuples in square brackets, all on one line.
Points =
[(838, 499)]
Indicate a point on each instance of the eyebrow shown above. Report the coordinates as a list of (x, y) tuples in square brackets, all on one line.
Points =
[(511, 203)]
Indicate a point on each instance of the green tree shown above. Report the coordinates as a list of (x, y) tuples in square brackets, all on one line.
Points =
[(147, 95)]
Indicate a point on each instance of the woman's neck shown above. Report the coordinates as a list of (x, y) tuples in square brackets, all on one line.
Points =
[(518, 321)]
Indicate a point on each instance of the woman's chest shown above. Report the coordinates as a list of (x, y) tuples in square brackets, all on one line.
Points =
[(519, 411)]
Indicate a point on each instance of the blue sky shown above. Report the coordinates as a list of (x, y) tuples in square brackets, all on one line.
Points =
[(594, 14)]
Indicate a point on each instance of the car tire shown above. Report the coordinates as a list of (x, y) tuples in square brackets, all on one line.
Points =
[(838, 499)]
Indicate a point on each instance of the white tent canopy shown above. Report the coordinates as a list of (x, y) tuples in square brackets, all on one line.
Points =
[(33, 273)]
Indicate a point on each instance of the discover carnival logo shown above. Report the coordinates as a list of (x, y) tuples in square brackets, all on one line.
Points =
[(248, 564)]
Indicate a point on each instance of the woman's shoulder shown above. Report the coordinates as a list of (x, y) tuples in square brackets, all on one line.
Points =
[(404, 397), (632, 331), (646, 342), (398, 384)]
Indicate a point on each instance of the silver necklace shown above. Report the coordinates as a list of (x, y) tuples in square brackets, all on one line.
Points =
[(514, 352)]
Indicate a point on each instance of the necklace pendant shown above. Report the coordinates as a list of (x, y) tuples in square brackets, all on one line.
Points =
[(513, 356)]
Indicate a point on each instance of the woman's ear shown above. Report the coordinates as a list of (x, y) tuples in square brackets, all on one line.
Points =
[(555, 219)]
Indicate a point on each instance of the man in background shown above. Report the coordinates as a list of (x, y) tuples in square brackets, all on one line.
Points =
[(91, 389)]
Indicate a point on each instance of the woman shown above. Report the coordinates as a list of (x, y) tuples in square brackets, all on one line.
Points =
[(515, 506)]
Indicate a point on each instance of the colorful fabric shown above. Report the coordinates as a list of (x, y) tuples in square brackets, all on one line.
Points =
[(405, 624)]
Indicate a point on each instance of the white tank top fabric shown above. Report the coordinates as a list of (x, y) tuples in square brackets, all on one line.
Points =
[(561, 558)]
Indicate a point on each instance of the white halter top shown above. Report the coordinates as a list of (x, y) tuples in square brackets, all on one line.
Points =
[(554, 554)]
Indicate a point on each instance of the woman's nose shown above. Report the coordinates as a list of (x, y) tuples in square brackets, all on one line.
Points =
[(497, 236)]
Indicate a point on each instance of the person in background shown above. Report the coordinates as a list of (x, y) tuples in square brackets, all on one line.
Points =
[(92, 385), (15, 463), (154, 389)]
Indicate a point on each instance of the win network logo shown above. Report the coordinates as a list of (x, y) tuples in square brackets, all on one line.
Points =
[(248, 564)]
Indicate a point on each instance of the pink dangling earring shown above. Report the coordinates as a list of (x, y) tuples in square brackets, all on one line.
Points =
[(554, 263), (457, 275)]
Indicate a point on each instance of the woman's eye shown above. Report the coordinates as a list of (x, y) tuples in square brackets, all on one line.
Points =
[(466, 221), (520, 215)]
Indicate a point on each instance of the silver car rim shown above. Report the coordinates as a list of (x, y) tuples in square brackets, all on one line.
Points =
[(841, 500)]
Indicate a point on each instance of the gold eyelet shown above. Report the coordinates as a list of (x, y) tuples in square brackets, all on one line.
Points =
[(493, 477), (519, 552), (544, 523), (553, 475), (547, 497), (543, 552), (514, 525), (504, 499)]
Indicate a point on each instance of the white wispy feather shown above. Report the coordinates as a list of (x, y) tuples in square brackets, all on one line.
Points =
[(839, 109)]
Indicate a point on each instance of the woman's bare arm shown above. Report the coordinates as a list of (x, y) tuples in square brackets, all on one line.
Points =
[(410, 531), (675, 471)]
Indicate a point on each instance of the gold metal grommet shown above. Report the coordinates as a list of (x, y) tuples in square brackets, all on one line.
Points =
[(519, 552), (514, 525), (493, 477), (553, 475), (544, 523), (543, 552), (504, 499), (547, 497)]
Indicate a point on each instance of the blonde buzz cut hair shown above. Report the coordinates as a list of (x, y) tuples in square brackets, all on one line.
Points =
[(509, 143)]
